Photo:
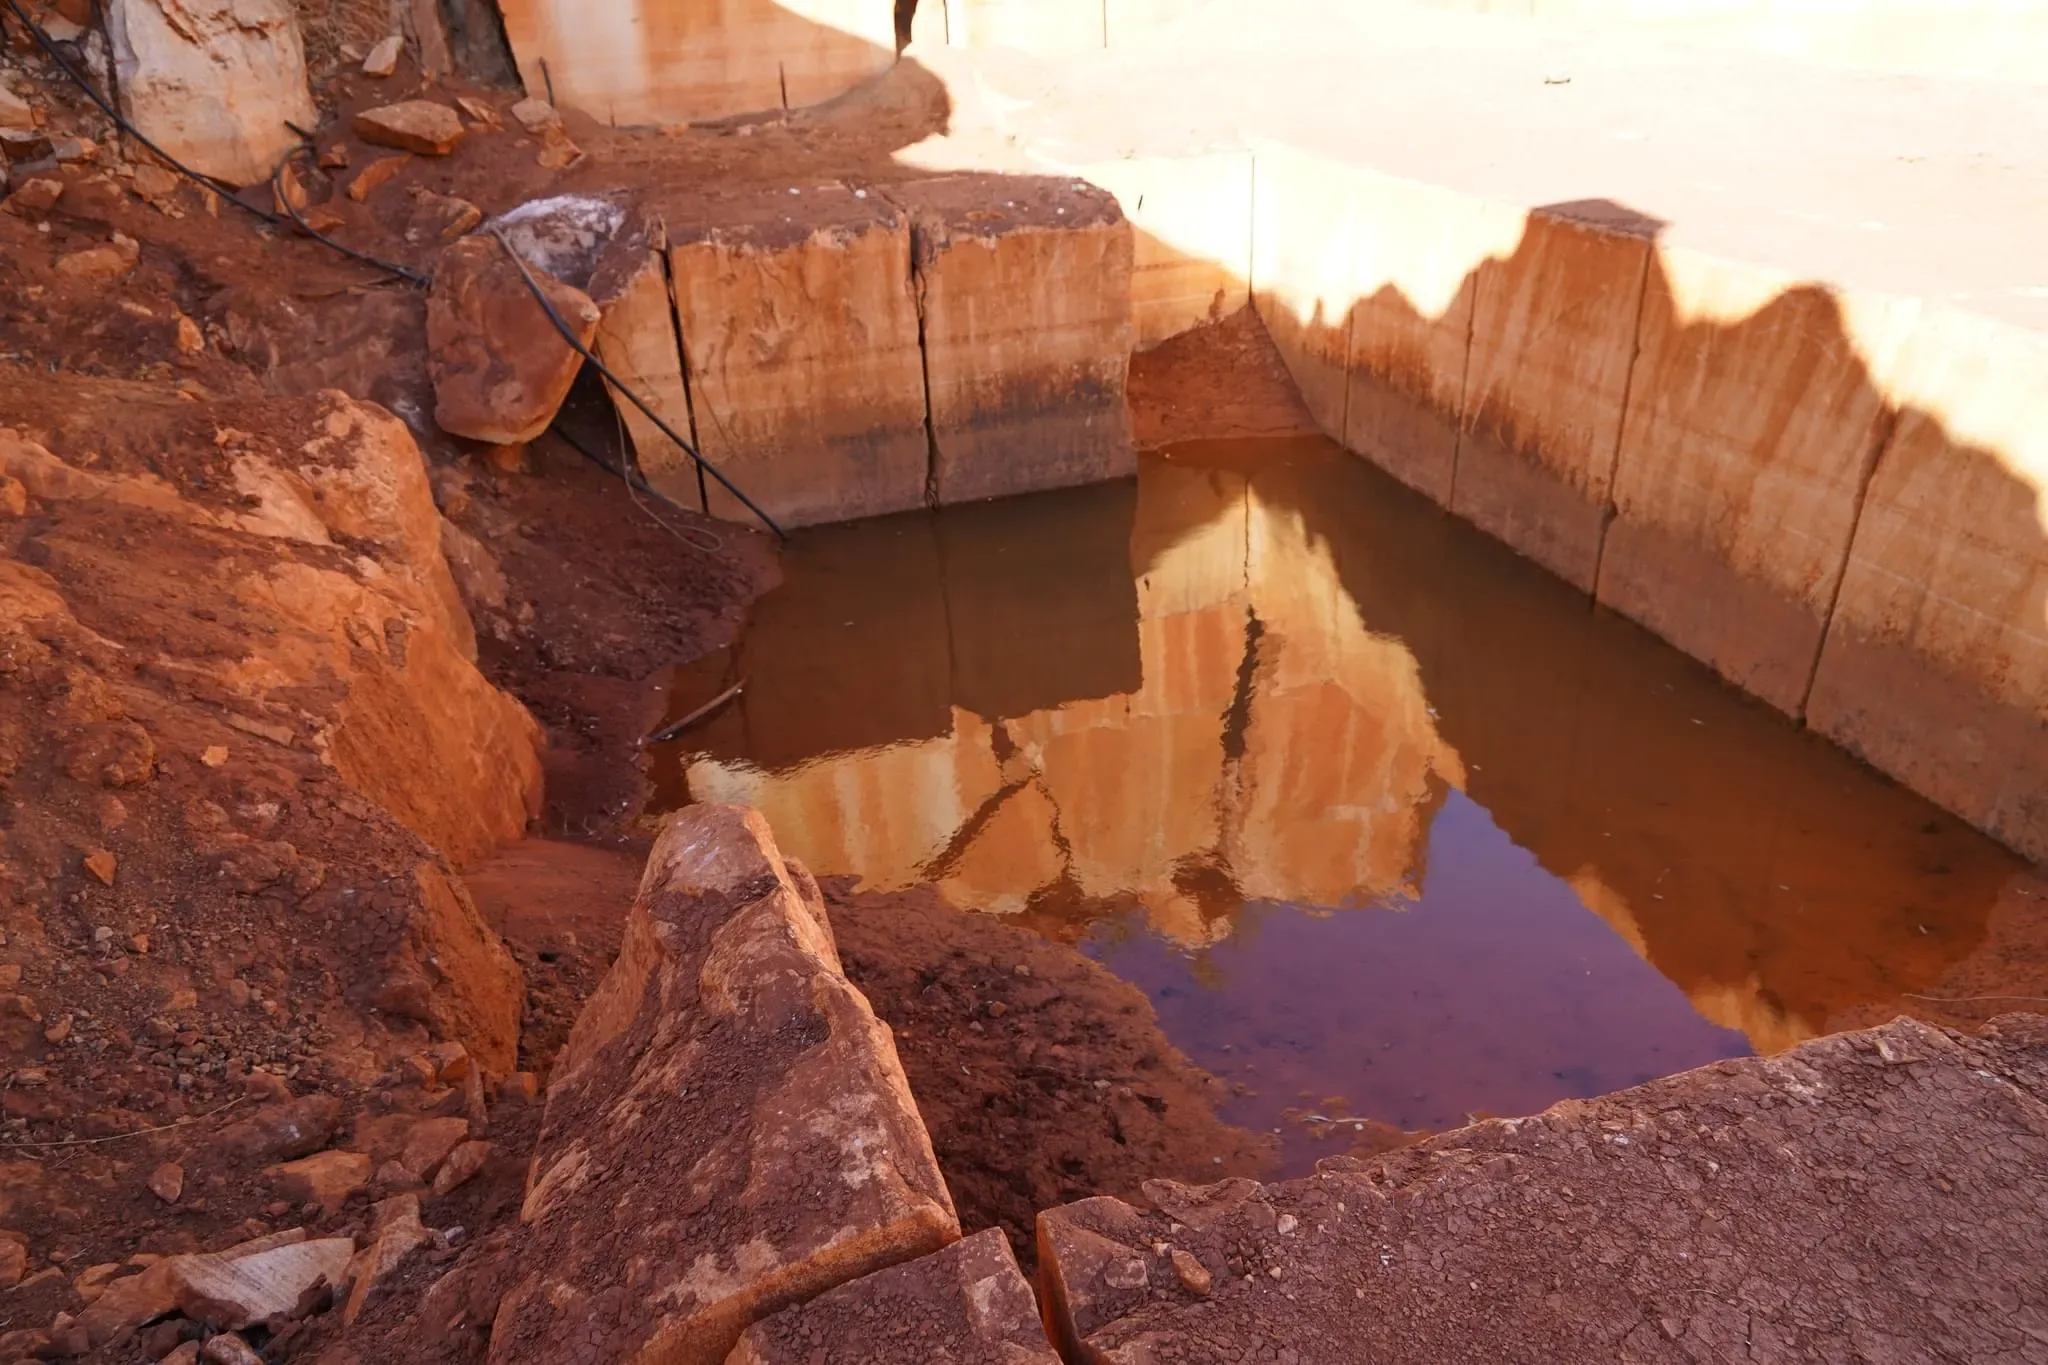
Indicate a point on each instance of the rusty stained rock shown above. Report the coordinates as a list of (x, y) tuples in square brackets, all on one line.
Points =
[(966, 1305), (728, 1130), (1860, 1195), (500, 368)]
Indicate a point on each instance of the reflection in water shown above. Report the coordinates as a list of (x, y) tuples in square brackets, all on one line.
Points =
[(1223, 724)]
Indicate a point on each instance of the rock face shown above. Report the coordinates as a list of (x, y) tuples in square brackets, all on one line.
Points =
[(966, 1305), (500, 368), (213, 82), (638, 342), (728, 1130), (1855, 1197), (1024, 295), (800, 332)]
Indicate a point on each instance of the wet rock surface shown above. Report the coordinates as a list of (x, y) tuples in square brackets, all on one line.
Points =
[(1870, 1195), (726, 1075), (966, 1305)]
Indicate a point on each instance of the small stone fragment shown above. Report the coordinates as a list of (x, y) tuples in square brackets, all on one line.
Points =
[(429, 1143), (383, 58), (36, 197), (101, 864), (558, 153), (536, 116), (478, 112), (167, 1182), (214, 755), (462, 1164), (191, 341), (15, 112), (226, 1348), (1193, 1276), (13, 1259), (73, 150), (441, 215), (109, 262), (420, 126), (13, 496), (184, 1353), (335, 158), (376, 175), (327, 1178)]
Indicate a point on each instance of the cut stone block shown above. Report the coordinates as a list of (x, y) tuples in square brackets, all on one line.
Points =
[(728, 1130), (214, 83), (1753, 423), (637, 340), (1024, 291), (1191, 247), (674, 61), (1305, 223), (1553, 337), (1562, 1236), (1417, 254), (1936, 662), (966, 1305), (800, 336)]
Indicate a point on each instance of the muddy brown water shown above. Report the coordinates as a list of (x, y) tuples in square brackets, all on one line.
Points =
[(1388, 823)]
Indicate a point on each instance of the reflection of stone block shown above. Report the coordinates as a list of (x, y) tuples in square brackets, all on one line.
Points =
[(800, 337), (1752, 426), (1936, 662), (1024, 285), (851, 652), (728, 1130), (1553, 335), (967, 1304), (672, 61), (1040, 600)]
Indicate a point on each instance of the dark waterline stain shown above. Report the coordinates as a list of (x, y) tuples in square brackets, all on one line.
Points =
[(1390, 824)]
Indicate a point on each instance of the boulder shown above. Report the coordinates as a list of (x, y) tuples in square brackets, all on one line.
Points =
[(966, 1305), (383, 58), (500, 369), (420, 126), (229, 1292), (728, 1130), (127, 1304), (213, 82)]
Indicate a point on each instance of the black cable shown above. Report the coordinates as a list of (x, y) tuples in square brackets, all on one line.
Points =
[(412, 277), (51, 50), (569, 335), (636, 483)]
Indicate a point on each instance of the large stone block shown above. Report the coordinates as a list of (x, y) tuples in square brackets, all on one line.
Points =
[(966, 1305), (1638, 1227), (1553, 337), (638, 341), (1024, 290), (800, 337), (728, 1130), (673, 61), (1753, 423), (500, 368), (1417, 254), (213, 82), (1306, 212), (1191, 222), (1936, 662)]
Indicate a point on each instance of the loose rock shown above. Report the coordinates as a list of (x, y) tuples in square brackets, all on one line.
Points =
[(231, 1292), (463, 1163), (326, 1178), (167, 1182), (420, 126), (500, 368), (383, 58)]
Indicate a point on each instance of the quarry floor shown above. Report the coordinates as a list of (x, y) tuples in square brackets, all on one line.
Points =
[(1069, 1091)]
